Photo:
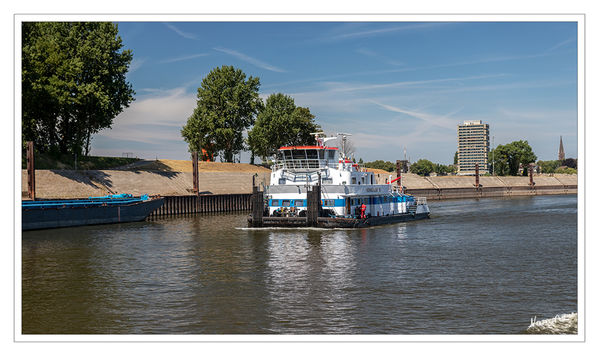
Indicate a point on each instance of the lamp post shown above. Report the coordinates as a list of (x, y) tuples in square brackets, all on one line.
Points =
[(493, 159)]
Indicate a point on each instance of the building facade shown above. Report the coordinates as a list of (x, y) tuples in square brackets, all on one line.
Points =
[(473, 147)]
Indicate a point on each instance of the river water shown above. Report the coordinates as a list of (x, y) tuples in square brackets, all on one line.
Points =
[(478, 266)]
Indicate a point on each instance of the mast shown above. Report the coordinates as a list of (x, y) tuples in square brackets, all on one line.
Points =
[(343, 140)]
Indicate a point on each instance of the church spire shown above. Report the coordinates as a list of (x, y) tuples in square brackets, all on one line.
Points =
[(561, 155)]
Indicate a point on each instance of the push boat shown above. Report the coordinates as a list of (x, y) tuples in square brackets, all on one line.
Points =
[(320, 186), (109, 209)]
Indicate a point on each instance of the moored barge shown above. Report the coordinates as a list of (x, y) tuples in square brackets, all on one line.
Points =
[(110, 209)]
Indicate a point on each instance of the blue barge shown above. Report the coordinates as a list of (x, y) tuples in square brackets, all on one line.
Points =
[(110, 209)]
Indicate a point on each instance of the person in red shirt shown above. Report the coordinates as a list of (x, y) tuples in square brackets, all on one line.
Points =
[(363, 211)]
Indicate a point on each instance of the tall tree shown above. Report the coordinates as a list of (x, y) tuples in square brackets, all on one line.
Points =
[(73, 82), (281, 123), (423, 167), (549, 166), (509, 157), (226, 106)]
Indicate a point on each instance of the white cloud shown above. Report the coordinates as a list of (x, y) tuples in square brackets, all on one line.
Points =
[(380, 57), (183, 58), (562, 43), (154, 118), (251, 60), (183, 34), (385, 30), (136, 63), (433, 119)]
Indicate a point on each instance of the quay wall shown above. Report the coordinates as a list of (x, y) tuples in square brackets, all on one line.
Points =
[(231, 191)]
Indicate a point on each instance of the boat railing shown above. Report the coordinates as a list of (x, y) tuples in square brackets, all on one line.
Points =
[(300, 164)]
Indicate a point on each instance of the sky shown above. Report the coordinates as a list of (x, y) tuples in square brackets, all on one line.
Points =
[(391, 85)]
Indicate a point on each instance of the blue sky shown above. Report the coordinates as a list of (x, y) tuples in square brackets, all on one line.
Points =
[(390, 84)]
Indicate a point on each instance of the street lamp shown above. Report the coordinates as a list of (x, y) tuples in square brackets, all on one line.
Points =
[(493, 159)]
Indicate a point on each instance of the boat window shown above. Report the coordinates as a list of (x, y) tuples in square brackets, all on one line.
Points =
[(299, 154), (329, 202), (298, 203), (331, 154), (280, 155), (286, 203), (320, 154), (287, 154), (311, 154), (282, 180), (372, 179), (353, 180), (275, 202)]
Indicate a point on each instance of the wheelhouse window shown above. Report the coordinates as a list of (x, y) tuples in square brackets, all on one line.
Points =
[(275, 202), (311, 154), (286, 203), (298, 203)]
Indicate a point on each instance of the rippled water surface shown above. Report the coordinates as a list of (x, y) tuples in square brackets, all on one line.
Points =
[(476, 267)]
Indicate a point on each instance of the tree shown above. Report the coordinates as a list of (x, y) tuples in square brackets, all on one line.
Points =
[(548, 166), (423, 167), (380, 164), (570, 162), (442, 169), (226, 106), (455, 158), (508, 158), (281, 123), (73, 83)]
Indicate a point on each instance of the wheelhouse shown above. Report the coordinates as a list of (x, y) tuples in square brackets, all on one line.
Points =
[(306, 158)]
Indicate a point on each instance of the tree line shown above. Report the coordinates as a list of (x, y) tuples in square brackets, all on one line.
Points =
[(509, 159)]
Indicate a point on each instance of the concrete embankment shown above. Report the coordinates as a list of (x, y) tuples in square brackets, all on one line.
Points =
[(55, 184)]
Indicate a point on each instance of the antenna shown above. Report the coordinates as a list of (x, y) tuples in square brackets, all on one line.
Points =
[(343, 139)]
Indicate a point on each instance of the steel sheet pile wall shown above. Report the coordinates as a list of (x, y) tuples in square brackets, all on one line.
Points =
[(489, 192), (192, 204)]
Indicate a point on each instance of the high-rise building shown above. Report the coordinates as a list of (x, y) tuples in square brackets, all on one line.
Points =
[(473, 147)]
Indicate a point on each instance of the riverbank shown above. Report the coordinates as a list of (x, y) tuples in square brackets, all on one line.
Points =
[(175, 178)]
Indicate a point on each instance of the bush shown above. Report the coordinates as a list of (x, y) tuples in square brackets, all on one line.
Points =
[(380, 164), (566, 170)]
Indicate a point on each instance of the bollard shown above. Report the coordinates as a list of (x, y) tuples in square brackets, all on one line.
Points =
[(30, 170), (257, 207)]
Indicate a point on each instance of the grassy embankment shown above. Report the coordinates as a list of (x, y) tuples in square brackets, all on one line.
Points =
[(50, 161)]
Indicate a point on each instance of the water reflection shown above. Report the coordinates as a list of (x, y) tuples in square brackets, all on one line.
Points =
[(308, 277)]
